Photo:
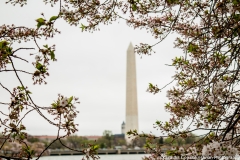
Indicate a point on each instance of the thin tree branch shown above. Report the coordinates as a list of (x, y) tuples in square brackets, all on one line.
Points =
[(20, 49), (6, 88), (8, 70), (19, 58)]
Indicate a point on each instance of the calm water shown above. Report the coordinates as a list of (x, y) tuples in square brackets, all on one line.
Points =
[(102, 157)]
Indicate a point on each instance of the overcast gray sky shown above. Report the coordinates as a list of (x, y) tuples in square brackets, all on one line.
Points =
[(92, 66)]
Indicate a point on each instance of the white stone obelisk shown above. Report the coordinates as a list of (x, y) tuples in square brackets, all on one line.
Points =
[(131, 94)]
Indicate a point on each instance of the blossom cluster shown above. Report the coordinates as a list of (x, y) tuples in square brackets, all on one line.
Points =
[(218, 149), (65, 112)]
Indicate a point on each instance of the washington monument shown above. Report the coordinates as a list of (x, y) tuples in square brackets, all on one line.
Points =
[(131, 93)]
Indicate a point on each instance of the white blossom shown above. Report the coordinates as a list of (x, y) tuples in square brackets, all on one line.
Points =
[(205, 124), (205, 151), (228, 136), (37, 58), (192, 151), (173, 148), (221, 84), (205, 114), (87, 151), (230, 7), (238, 130), (71, 116), (64, 102), (201, 95), (227, 59), (181, 149), (168, 94), (211, 98), (218, 87), (13, 99)]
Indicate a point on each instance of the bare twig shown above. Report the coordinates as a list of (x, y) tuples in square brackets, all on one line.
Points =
[(9, 70)]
